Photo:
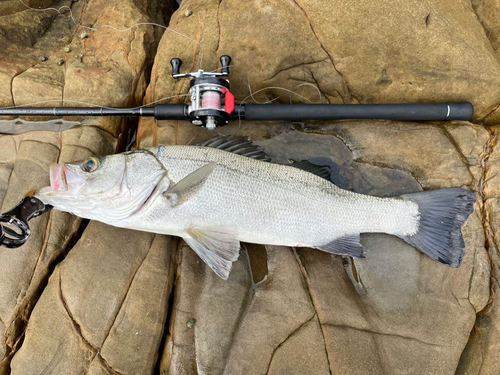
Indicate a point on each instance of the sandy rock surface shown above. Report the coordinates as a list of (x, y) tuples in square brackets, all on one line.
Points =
[(87, 298)]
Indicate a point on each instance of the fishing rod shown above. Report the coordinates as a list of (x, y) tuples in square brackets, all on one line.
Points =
[(213, 105)]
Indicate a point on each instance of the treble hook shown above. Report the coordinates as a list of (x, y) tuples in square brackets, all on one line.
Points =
[(18, 218)]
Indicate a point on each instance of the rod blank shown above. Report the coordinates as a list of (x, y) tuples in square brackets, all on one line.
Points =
[(75, 111)]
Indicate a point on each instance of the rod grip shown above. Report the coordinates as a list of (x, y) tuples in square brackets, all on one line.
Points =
[(407, 112), (170, 112)]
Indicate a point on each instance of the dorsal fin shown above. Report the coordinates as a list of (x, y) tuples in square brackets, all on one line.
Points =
[(244, 146), (323, 171), (241, 146)]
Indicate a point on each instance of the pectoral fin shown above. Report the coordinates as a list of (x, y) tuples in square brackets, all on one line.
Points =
[(217, 246), (189, 185), (346, 245)]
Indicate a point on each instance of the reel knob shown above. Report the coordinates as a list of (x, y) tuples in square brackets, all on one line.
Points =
[(225, 61), (176, 66)]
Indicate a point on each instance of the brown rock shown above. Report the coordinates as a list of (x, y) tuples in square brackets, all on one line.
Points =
[(294, 311), (378, 313), (103, 309), (306, 340), (110, 68), (238, 321), (487, 12), (396, 311), (479, 357), (490, 158), (300, 47), (56, 347)]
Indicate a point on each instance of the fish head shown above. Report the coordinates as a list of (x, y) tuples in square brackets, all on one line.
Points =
[(108, 189)]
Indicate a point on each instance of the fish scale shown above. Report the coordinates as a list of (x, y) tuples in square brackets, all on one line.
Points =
[(271, 203)]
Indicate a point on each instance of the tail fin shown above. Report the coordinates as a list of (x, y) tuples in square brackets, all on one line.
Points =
[(442, 213)]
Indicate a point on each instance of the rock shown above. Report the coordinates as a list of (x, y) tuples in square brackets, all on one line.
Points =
[(479, 357), (335, 56), (487, 13), (237, 320), (373, 314), (108, 300), (128, 302), (110, 68)]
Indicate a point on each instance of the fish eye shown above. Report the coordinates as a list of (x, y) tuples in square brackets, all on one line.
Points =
[(91, 164)]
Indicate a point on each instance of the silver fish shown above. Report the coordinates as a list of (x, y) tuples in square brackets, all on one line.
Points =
[(214, 199)]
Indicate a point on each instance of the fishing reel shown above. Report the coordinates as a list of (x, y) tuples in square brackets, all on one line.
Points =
[(211, 101)]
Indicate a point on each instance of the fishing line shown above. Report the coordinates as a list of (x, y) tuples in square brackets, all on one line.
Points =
[(92, 104), (63, 8), (292, 92), (272, 100), (58, 10), (309, 84)]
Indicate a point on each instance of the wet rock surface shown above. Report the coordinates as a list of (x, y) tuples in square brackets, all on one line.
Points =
[(87, 298)]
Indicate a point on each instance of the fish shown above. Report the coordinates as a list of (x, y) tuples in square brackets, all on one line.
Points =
[(219, 194)]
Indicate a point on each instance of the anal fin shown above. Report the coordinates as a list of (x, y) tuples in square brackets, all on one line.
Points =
[(346, 245)]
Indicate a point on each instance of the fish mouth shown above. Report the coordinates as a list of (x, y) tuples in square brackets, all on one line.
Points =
[(62, 179)]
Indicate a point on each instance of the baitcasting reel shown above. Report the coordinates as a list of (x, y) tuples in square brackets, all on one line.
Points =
[(208, 91)]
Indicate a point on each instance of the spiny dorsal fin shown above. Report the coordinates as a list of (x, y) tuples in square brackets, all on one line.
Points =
[(243, 146), (189, 185), (240, 146), (323, 171), (217, 246)]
